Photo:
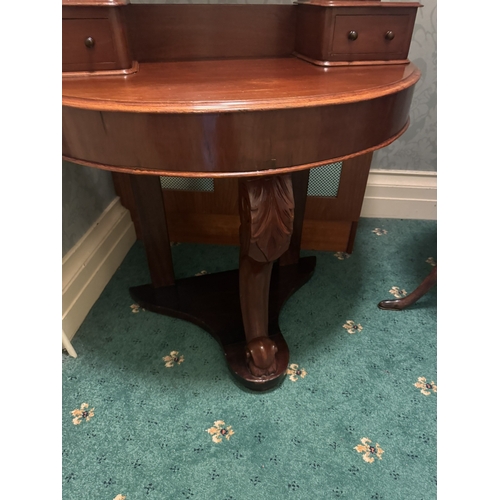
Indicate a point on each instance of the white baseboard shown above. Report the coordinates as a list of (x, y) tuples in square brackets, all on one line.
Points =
[(90, 264), (401, 194)]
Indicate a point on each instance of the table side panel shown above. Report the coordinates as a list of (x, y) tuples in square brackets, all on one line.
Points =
[(232, 142)]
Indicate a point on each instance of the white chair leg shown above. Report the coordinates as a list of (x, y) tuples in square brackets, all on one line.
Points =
[(67, 345)]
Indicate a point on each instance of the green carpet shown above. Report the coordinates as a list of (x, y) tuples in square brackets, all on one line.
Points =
[(353, 419)]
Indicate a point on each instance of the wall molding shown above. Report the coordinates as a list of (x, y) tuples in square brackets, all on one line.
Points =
[(90, 264), (401, 194)]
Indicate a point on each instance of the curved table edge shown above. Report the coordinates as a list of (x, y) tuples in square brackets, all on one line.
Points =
[(190, 107), (252, 173)]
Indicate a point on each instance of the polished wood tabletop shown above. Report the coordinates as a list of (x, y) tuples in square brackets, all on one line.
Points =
[(236, 85), (234, 117)]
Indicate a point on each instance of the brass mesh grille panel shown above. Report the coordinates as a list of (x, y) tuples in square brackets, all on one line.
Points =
[(325, 180), (187, 183)]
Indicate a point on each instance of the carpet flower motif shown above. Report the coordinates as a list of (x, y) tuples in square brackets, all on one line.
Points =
[(82, 413), (173, 358), (424, 386), (201, 273), (369, 451), (379, 232), (295, 372), (135, 308), (120, 497), (352, 327), (341, 255), (398, 293), (219, 431), (431, 261)]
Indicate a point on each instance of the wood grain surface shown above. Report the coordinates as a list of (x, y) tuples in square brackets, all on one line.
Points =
[(182, 32), (233, 116), (235, 85)]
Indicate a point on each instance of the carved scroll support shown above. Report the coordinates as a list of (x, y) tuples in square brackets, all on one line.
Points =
[(266, 214)]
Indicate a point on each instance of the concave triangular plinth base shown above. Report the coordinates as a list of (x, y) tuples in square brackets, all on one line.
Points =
[(212, 302)]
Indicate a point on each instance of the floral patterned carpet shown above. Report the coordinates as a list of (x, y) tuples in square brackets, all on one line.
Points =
[(150, 411)]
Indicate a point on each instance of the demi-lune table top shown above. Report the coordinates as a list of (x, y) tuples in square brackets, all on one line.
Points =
[(233, 116), (235, 85)]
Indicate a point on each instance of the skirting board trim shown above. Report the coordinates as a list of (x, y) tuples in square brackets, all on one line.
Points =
[(401, 194), (90, 264)]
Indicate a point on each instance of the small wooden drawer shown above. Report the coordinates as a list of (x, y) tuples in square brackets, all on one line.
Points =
[(373, 33), (375, 37), (87, 45), (94, 40)]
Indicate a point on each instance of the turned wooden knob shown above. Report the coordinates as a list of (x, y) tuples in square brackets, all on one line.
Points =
[(389, 35), (89, 42), (352, 35)]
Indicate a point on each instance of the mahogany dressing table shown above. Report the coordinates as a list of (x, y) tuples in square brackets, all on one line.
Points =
[(262, 93)]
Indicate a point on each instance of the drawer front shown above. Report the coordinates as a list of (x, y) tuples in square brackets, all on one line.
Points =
[(375, 37), (77, 56)]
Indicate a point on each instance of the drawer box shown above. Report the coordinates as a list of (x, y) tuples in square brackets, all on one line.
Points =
[(368, 33), (94, 40), (87, 45)]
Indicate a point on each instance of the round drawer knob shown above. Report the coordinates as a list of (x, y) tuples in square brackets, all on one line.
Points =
[(89, 42), (352, 35), (389, 35)]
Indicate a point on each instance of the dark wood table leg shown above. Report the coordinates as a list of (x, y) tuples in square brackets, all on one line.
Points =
[(149, 201), (422, 289), (239, 308)]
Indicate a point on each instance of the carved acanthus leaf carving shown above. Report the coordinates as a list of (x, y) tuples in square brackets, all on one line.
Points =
[(266, 211)]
